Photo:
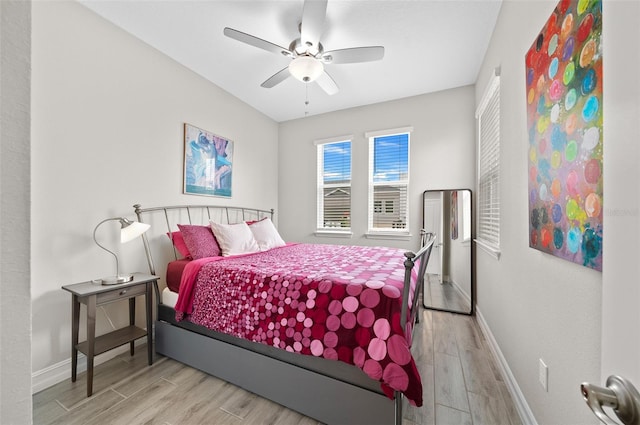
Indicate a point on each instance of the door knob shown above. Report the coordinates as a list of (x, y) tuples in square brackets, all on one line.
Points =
[(619, 395)]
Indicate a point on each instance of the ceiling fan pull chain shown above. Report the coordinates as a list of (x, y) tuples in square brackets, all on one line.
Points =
[(306, 102)]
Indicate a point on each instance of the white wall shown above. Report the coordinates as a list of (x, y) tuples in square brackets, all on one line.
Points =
[(536, 305), (441, 157), (620, 286), (108, 114), (15, 223)]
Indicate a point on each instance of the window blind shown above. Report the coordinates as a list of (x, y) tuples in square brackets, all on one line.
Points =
[(334, 185), (489, 166), (389, 182)]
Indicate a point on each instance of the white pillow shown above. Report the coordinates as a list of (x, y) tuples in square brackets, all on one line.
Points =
[(266, 234), (234, 239)]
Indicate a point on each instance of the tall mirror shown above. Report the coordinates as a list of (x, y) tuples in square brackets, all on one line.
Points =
[(449, 279)]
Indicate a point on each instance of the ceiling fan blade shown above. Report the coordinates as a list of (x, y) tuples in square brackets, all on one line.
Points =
[(276, 78), (354, 55), (255, 41), (313, 16), (327, 84)]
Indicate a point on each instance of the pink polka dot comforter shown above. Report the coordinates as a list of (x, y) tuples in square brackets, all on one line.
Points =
[(337, 302)]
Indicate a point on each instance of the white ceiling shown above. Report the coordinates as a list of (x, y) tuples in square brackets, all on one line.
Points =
[(429, 46)]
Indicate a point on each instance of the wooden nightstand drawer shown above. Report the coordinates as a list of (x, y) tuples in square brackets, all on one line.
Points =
[(124, 293)]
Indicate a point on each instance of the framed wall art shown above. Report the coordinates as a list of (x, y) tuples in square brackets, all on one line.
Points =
[(564, 123), (208, 163)]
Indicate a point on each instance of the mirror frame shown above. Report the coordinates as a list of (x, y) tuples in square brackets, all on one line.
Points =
[(472, 252)]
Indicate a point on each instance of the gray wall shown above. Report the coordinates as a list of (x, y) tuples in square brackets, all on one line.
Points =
[(442, 156), (620, 289), (107, 126), (536, 305), (15, 223)]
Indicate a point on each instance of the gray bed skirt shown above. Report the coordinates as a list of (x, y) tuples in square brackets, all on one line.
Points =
[(330, 391)]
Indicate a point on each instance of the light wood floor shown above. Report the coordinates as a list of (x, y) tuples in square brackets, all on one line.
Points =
[(444, 295), (462, 385)]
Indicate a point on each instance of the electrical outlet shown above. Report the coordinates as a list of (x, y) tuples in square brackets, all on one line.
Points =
[(543, 375)]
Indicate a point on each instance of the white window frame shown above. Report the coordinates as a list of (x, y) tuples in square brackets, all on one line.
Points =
[(387, 233), (488, 120), (320, 229), (465, 200)]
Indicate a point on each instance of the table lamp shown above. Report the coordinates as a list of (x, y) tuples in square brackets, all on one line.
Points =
[(129, 231)]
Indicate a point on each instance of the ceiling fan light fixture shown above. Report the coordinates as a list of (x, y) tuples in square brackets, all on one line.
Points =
[(306, 68)]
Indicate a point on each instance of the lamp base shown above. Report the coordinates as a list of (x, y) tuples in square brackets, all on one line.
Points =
[(115, 280)]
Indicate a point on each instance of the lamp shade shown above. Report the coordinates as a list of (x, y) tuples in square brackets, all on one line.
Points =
[(306, 68), (131, 230)]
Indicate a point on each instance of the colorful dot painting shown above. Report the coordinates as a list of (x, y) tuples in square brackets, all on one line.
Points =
[(564, 122)]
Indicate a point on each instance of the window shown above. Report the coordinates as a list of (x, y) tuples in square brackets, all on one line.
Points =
[(488, 116), (389, 181), (334, 185)]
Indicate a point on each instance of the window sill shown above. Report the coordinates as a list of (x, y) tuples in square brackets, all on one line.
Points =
[(491, 250), (333, 234), (388, 236)]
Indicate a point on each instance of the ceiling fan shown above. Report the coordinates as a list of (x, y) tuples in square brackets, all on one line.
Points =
[(307, 54)]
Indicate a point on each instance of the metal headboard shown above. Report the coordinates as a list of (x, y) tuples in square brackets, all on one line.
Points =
[(186, 214)]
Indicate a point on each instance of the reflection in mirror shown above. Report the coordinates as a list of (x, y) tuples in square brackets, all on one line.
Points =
[(448, 283)]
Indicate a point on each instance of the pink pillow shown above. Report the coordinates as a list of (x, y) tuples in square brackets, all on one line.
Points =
[(178, 242), (200, 241)]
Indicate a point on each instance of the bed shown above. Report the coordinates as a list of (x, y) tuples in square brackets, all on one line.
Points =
[(263, 332)]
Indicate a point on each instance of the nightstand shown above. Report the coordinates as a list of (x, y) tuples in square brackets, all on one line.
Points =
[(94, 294)]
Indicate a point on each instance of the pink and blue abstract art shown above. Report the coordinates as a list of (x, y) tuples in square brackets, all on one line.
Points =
[(564, 123)]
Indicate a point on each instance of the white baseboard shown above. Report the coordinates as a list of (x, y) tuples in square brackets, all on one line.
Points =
[(464, 295), (49, 376), (526, 415)]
